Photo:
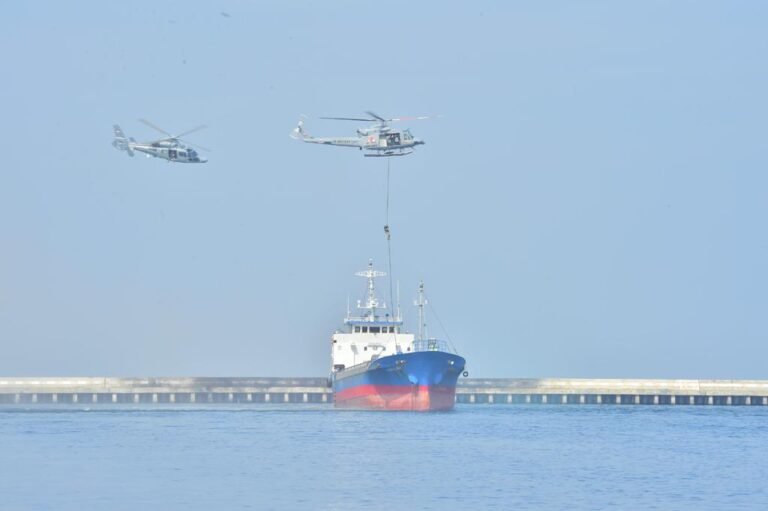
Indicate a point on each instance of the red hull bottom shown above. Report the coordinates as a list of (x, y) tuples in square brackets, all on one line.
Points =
[(422, 398)]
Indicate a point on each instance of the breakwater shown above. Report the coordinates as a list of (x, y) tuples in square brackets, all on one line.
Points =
[(549, 391)]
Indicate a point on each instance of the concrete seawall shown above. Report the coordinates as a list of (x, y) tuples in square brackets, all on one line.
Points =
[(82, 391), (613, 391)]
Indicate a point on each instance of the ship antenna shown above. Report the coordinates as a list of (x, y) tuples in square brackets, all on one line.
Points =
[(371, 302), (399, 314)]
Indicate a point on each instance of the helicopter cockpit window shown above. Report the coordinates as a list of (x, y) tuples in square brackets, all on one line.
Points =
[(393, 139)]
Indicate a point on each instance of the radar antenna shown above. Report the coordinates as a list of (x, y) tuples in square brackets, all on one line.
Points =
[(371, 302)]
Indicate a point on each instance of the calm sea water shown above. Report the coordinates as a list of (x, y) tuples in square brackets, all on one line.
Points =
[(313, 457)]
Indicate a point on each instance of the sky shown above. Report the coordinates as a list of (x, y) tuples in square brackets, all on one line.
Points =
[(590, 202)]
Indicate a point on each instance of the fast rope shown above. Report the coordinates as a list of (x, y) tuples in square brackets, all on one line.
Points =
[(388, 234), (386, 220)]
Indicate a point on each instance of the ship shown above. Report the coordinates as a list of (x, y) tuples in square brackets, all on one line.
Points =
[(376, 365)]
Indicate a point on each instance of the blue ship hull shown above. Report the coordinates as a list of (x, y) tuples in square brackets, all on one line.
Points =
[(423, 381)]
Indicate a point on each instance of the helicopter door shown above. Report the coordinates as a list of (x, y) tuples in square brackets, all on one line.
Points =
[(393, 139), (172, 154)]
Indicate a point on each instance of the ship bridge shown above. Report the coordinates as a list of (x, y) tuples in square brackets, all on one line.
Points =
[(371, 320), (371, 333)]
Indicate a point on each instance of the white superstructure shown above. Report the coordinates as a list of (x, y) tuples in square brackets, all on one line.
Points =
[(372, 334)]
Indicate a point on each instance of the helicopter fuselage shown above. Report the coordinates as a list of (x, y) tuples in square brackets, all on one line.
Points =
[(167, 148), (376, 141), (175, 153)]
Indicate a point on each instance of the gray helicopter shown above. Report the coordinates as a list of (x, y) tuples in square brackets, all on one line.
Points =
[(168, 148), (379, 140)]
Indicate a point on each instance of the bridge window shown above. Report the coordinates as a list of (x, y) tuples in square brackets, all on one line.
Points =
[(357, 329), (374, 330), (365, 329)]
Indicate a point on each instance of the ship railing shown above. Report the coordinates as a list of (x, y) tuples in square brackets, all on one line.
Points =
[(431, 345), (357, 368)]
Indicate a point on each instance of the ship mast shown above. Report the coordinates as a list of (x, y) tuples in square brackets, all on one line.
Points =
[(420, 303), (371, 302)]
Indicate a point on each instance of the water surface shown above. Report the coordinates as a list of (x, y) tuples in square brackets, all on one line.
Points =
[(314, 457)]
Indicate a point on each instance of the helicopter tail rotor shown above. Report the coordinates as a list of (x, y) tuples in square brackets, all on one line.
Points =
[(298, 132), (122, 143)]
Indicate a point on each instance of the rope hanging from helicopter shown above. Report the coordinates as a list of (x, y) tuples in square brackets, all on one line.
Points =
[(388, 234)]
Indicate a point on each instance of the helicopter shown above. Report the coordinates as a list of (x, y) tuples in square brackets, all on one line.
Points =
[(168, 148), (379, 140)]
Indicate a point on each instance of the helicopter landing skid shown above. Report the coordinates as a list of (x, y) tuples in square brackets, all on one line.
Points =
[(387, 155)]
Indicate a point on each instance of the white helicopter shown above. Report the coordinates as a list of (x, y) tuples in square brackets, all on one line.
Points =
[(168, 148), (379, 140)]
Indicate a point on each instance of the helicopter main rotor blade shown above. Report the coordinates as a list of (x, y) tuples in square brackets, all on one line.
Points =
[(167, 139), (397, 119), (348, 119), (417, 118), (198, 128), (156, 128), (376, 117), (198, 146)]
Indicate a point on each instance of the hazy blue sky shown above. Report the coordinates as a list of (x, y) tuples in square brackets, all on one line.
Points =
[(592, 203)]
